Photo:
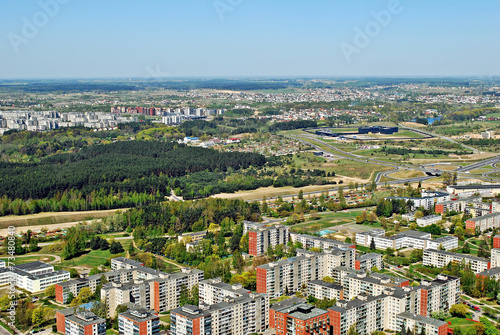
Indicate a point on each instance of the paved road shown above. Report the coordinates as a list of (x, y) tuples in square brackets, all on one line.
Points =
[(425, 132), (4, 331)]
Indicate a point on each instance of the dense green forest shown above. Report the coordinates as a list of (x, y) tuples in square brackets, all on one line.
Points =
[(115, 175)]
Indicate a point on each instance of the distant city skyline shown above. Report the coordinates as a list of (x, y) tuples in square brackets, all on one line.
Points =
[(248, 38)]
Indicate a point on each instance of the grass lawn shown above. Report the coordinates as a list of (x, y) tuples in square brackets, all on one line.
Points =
[(348, 168), (462, 322), (407, 174), (326, 221), (28, 259), (165, 318), (90, 258)]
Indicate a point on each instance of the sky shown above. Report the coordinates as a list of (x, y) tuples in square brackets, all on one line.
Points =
[(246, 38)]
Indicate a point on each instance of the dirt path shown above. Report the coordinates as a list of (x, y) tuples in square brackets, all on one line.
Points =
[(55, 226), (52, 218), (56, 260)]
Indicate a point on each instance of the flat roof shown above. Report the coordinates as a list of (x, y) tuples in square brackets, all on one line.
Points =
[(369, 256), (139, 314), (490, 272), (326, 284), (421, 319), (85, 318), (474, 187), (37, 265), (303, 311), (454, 254)]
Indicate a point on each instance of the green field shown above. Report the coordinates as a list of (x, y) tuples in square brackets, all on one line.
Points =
[(326, 221), (460, 322), (94, 258), (355, 169), (22, 260)]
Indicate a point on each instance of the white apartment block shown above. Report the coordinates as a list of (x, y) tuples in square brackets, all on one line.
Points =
[(243, 315), (373, 284), (410, 238), (367, 261), (465, 191), (138, 321), (115, 294), (166, 290), (321, 289), (420, 324), (261, 237), (309, 241), (119, 263), (427, 201), (383, 311), (440, 258), (290, 274), (33, 276), (428, 220), (495, 258), (84, 323), (483, 222), (212, 291)]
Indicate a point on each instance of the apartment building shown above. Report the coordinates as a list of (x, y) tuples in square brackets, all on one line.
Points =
[(261, 236), (138, 321), (495, 257), (409, 238), (73, 287), (166, 290), (428, 220), (212, 291), (365, 312), (439, 294), (288, 275), (309, 241), (465, 191), (367, 261), (398, 300), (32, 276), (428, 199), (321, 289), (84, 323), (301, 319), (383, 309), (242, 315), (493, 273), (119, 263), (421, 324), (196, 236), (449, 206), (115, 294), (373, 284), (484, 222), (440, 258), (340, 272)]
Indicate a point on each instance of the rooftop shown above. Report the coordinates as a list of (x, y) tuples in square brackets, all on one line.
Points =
[(139, 314), (326, 284), (421, 319)]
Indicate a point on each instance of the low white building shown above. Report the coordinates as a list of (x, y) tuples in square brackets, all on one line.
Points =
[(428, 220), (440, 258), (410, 238), (33, 276)]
